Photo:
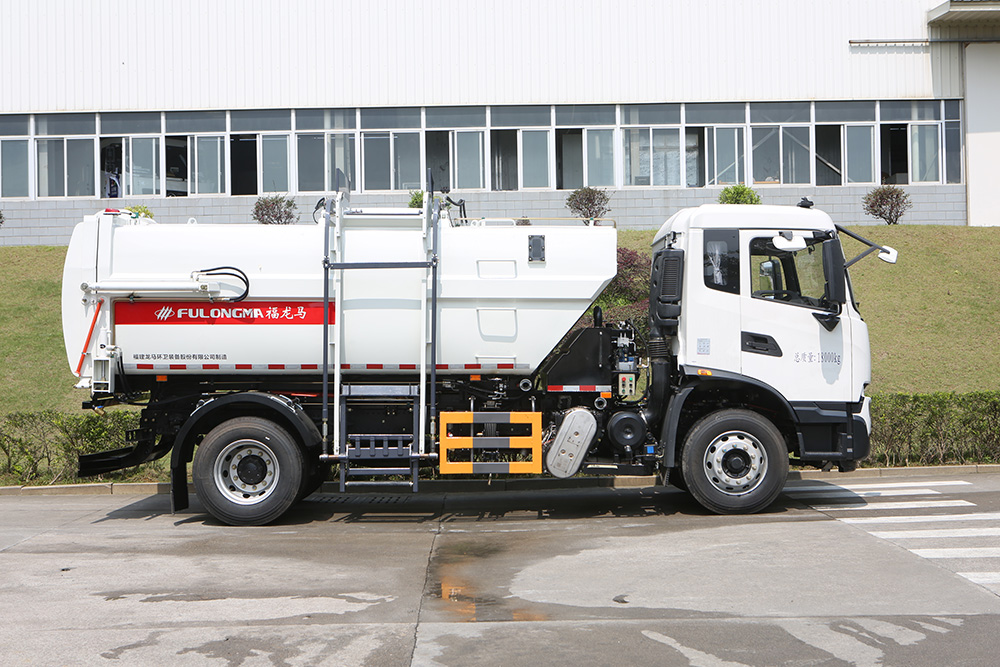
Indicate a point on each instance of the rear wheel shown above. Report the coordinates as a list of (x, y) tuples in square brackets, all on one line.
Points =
[(734, 462), (248, 471)]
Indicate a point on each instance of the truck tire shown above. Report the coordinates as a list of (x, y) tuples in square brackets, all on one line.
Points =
[(734, 462), (248, 471)]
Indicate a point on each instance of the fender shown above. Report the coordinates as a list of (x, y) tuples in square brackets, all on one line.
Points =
[(284, 408), (675, 406)]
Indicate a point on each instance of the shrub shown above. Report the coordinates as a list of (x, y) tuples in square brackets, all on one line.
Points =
[(738, 194), (43, 447), (139, 211), (934, 429), (589, 203), (887, 202), (416, 199), (631, 283), (1, 218), (275, 210)]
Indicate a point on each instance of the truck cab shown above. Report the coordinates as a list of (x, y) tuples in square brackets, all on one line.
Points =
[(754, 313)]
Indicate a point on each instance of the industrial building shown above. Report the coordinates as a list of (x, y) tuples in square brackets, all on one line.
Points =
[(195, 109)]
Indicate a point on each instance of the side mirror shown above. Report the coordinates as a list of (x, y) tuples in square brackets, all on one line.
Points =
[(833, 269), (887, 254), (770, 270)]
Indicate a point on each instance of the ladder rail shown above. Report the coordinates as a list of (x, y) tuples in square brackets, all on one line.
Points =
[(425, 408)]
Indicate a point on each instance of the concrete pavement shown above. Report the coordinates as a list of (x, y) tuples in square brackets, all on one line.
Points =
[(585, 576)]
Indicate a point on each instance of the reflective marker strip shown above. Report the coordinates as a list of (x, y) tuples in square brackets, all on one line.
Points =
[(315, 367), (588, 388)]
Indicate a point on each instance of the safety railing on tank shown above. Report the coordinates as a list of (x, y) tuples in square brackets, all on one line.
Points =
[(527, 221)]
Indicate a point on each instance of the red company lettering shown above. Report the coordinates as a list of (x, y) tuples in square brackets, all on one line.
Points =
[(216, 313), (187, 313)]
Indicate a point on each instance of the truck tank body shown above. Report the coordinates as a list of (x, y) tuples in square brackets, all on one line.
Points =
[(142, 295)]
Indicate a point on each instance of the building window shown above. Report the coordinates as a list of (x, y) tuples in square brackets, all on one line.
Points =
[(455, 155), (584, 155), (13, 168), (844, 148), (780, 154), (519, 157), (258, 159), (209, 165), (652, 156), (925, 152), (714, 156), (910, 146), (391, 160), (129, 166), (468, 158), (781, 151), (326, 162), (14, 156), (65, 167), (196, 163)]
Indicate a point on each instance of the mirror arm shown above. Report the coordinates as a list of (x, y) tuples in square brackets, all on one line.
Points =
[(847, 265), (872, 246)]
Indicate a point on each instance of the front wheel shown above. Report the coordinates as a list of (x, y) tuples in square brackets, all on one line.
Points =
[(248, 471), (734, 462)]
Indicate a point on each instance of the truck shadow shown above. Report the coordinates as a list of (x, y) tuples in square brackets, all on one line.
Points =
[(420, 508)]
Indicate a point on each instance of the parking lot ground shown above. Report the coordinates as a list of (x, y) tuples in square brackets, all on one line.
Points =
[(585, 576)]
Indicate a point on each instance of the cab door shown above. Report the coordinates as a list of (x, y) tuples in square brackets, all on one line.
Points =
[(793, 337)]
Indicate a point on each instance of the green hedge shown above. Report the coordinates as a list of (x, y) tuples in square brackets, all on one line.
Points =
[(935, 429), (42, 447), (908, 430)]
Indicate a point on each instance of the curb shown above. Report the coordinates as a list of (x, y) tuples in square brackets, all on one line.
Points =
[(502, 485)]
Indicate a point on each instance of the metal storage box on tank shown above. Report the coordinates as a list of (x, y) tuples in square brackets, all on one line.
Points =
[(498, 308)]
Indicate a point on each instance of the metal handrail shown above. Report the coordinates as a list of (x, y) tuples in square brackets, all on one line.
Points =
[(527, 221)]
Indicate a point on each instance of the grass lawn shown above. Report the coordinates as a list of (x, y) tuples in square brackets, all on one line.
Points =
[(34, 371), (933, 316)]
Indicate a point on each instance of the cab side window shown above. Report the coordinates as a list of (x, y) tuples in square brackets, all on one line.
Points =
[(722, 260), (794, 277)]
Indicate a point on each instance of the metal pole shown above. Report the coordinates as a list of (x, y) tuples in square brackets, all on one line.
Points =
[(435, 215), (326, 327)]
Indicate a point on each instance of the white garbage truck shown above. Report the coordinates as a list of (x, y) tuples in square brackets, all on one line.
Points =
[(386, 343)]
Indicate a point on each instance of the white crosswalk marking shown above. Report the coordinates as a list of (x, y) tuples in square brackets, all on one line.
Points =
[(937, 533), (941, 537), (959, 552), (859, 486), (850, 493), (924, 518), (903, 505)]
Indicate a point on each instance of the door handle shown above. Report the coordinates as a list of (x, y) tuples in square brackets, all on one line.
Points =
[(760, 344)]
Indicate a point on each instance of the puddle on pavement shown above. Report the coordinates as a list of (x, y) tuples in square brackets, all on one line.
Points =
[(453, 583)]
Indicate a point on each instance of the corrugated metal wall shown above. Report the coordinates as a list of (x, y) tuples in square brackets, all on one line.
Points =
[(60, 55)]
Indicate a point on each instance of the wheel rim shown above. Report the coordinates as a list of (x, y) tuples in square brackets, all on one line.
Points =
[(246, 472), (735, 463)]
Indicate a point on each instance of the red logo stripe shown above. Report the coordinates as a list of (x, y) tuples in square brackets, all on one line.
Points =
[(216, 313)]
